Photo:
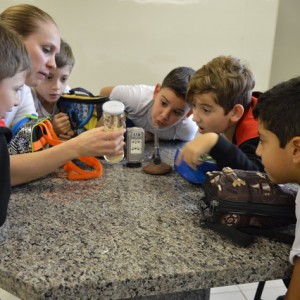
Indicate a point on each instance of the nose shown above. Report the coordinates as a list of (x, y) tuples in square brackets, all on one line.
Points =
[(258, 150), (56, 85), (196, 116), (51, 64), (165, 114), (17, 99)]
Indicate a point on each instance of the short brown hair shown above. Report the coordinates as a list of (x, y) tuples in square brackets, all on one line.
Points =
[(225, 76), (65, 56)]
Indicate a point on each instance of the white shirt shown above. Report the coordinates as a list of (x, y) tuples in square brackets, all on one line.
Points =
[(138, 101), (296, 245)]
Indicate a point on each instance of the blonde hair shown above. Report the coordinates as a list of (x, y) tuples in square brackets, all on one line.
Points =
[(24, 19)]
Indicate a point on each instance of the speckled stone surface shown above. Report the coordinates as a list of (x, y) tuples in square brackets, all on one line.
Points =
[(125, 235)]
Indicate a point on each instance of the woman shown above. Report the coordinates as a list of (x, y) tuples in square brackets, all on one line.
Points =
[(41, 37)]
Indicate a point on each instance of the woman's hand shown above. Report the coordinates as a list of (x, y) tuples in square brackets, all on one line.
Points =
[(98, 142)]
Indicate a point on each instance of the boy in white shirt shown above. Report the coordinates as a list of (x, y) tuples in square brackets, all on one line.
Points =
[(162, 107)]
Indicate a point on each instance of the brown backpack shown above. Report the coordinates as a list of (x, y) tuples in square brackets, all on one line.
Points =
[(240, 203)]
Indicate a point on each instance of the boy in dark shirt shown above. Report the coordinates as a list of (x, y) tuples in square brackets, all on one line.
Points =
[(278, 113), (14, 68), (221, 94)]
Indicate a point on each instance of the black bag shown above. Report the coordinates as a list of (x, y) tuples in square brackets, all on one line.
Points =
[(83, 108), (240, 203)]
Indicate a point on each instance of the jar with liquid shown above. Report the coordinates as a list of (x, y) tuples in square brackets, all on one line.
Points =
[(113, 119)]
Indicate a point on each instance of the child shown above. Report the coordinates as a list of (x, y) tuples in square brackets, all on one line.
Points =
[(222, 108), (162, 106), (14, 68), (47, 93), (278, 114)]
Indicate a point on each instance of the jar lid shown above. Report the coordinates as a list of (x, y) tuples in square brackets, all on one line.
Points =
[(113, 107)]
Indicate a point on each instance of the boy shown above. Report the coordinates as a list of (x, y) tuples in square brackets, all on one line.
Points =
[(162, 107), (278, 114), (14, 68), (47, 93), (220, 93)]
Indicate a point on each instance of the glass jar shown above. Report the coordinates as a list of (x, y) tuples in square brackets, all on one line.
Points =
[(113, 119)]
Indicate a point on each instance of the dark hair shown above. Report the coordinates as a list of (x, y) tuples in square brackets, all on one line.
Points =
[(225, 76), (279, 110), (177, 80), (65, 56), (24, 18), (13, 55)]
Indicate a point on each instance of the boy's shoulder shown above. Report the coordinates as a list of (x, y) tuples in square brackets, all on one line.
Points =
[(2, 124)]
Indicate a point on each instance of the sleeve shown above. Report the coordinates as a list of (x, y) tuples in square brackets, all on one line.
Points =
[(26, 106), (295, 251), (243, 157), (134, 97), (186, 130), (5, 186)]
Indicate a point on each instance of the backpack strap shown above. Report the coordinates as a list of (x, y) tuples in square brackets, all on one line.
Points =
[(76, 173), (233, 234), (23, 121), (272, 233)]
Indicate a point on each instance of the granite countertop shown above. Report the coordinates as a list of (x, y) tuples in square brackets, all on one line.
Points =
[(127, 234)]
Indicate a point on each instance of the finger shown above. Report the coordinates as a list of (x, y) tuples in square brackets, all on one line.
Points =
[(179, 158)]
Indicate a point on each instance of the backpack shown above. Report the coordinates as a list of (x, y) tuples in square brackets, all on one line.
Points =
[(34, 134), (83, 108), (240, 204)]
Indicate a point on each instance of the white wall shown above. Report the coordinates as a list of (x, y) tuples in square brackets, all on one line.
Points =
[(286, 57), (123, 41)]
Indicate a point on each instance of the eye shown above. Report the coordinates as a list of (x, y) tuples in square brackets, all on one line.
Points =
[(163, 102), (64, 79), (206, 110), (46, 49), (178, 113)]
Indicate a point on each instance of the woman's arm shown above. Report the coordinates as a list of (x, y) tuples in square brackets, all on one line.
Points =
[(94, 142)]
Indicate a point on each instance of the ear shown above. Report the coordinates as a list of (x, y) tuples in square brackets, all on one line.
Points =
[(295, 143), (156, 89), (236, 113)]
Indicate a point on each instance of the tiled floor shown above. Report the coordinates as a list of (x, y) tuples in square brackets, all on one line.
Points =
[(272, 290)]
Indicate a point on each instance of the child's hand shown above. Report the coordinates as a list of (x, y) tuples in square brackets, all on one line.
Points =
[(61, 125), (67, 136), (200, 145)]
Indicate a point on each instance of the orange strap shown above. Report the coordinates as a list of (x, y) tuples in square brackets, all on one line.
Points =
[(74, 171)]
